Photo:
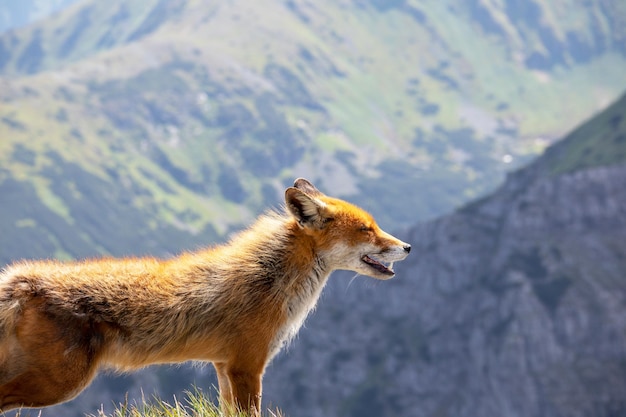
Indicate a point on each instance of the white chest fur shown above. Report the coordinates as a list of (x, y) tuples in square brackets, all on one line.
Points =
[(302, 299)]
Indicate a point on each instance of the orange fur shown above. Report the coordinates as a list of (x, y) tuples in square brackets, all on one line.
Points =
[(234, 305)]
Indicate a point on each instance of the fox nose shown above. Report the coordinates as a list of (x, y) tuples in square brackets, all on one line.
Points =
[(407, 248)]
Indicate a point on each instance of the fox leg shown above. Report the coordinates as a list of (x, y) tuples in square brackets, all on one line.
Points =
[(245, 385), (44, 362), (226, 393), (240, 387)]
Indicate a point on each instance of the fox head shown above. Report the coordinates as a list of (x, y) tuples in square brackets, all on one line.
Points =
[(346, 235)]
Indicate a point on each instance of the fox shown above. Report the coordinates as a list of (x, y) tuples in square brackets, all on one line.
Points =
[(234, 305)]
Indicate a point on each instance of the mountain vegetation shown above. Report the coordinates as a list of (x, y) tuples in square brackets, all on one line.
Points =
[(151, 126)]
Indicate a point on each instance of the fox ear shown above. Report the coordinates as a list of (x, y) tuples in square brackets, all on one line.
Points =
[(307, 210), (304, 185)]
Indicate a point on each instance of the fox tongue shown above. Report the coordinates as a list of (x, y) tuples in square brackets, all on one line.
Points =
[(377, 265)]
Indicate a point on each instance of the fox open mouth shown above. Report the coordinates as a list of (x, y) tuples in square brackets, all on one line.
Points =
[(378, 266)]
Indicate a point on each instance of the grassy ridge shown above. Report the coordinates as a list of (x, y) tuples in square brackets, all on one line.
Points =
[(599, 142), (196, 404)]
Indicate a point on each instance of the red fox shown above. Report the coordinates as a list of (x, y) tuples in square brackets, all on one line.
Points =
[(235, 305)]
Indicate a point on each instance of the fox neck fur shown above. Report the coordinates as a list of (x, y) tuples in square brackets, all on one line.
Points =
[(281, 268)]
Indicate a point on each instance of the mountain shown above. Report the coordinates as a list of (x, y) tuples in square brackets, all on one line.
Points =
[(513, 305), (134, 126)]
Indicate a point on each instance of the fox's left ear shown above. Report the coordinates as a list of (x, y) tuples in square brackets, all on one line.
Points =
[(305, 185), (308, 210)]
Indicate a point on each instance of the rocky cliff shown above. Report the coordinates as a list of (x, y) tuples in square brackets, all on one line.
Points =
[(514, 305)]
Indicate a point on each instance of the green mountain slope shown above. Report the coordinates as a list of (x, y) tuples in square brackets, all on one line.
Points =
[(133, 126), (599, 142)]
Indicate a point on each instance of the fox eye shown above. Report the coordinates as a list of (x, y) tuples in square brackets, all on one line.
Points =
[(365, 228)]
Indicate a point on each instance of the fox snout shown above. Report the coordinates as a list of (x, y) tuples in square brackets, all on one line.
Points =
[(404, 249), (379, 261), (397, 252), (396, 246)]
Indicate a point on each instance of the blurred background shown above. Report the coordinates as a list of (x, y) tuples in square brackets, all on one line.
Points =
[(490, 134)]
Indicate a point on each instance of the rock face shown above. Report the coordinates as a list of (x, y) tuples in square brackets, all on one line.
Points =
[(522, 297), (512, 306)]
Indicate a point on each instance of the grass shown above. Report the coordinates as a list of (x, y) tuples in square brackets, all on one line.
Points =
[(195, 404)]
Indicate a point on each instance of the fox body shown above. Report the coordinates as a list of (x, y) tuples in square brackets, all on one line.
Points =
[(234, 305)]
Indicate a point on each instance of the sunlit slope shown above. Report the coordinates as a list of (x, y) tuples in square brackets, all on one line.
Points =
[(189, 117)]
